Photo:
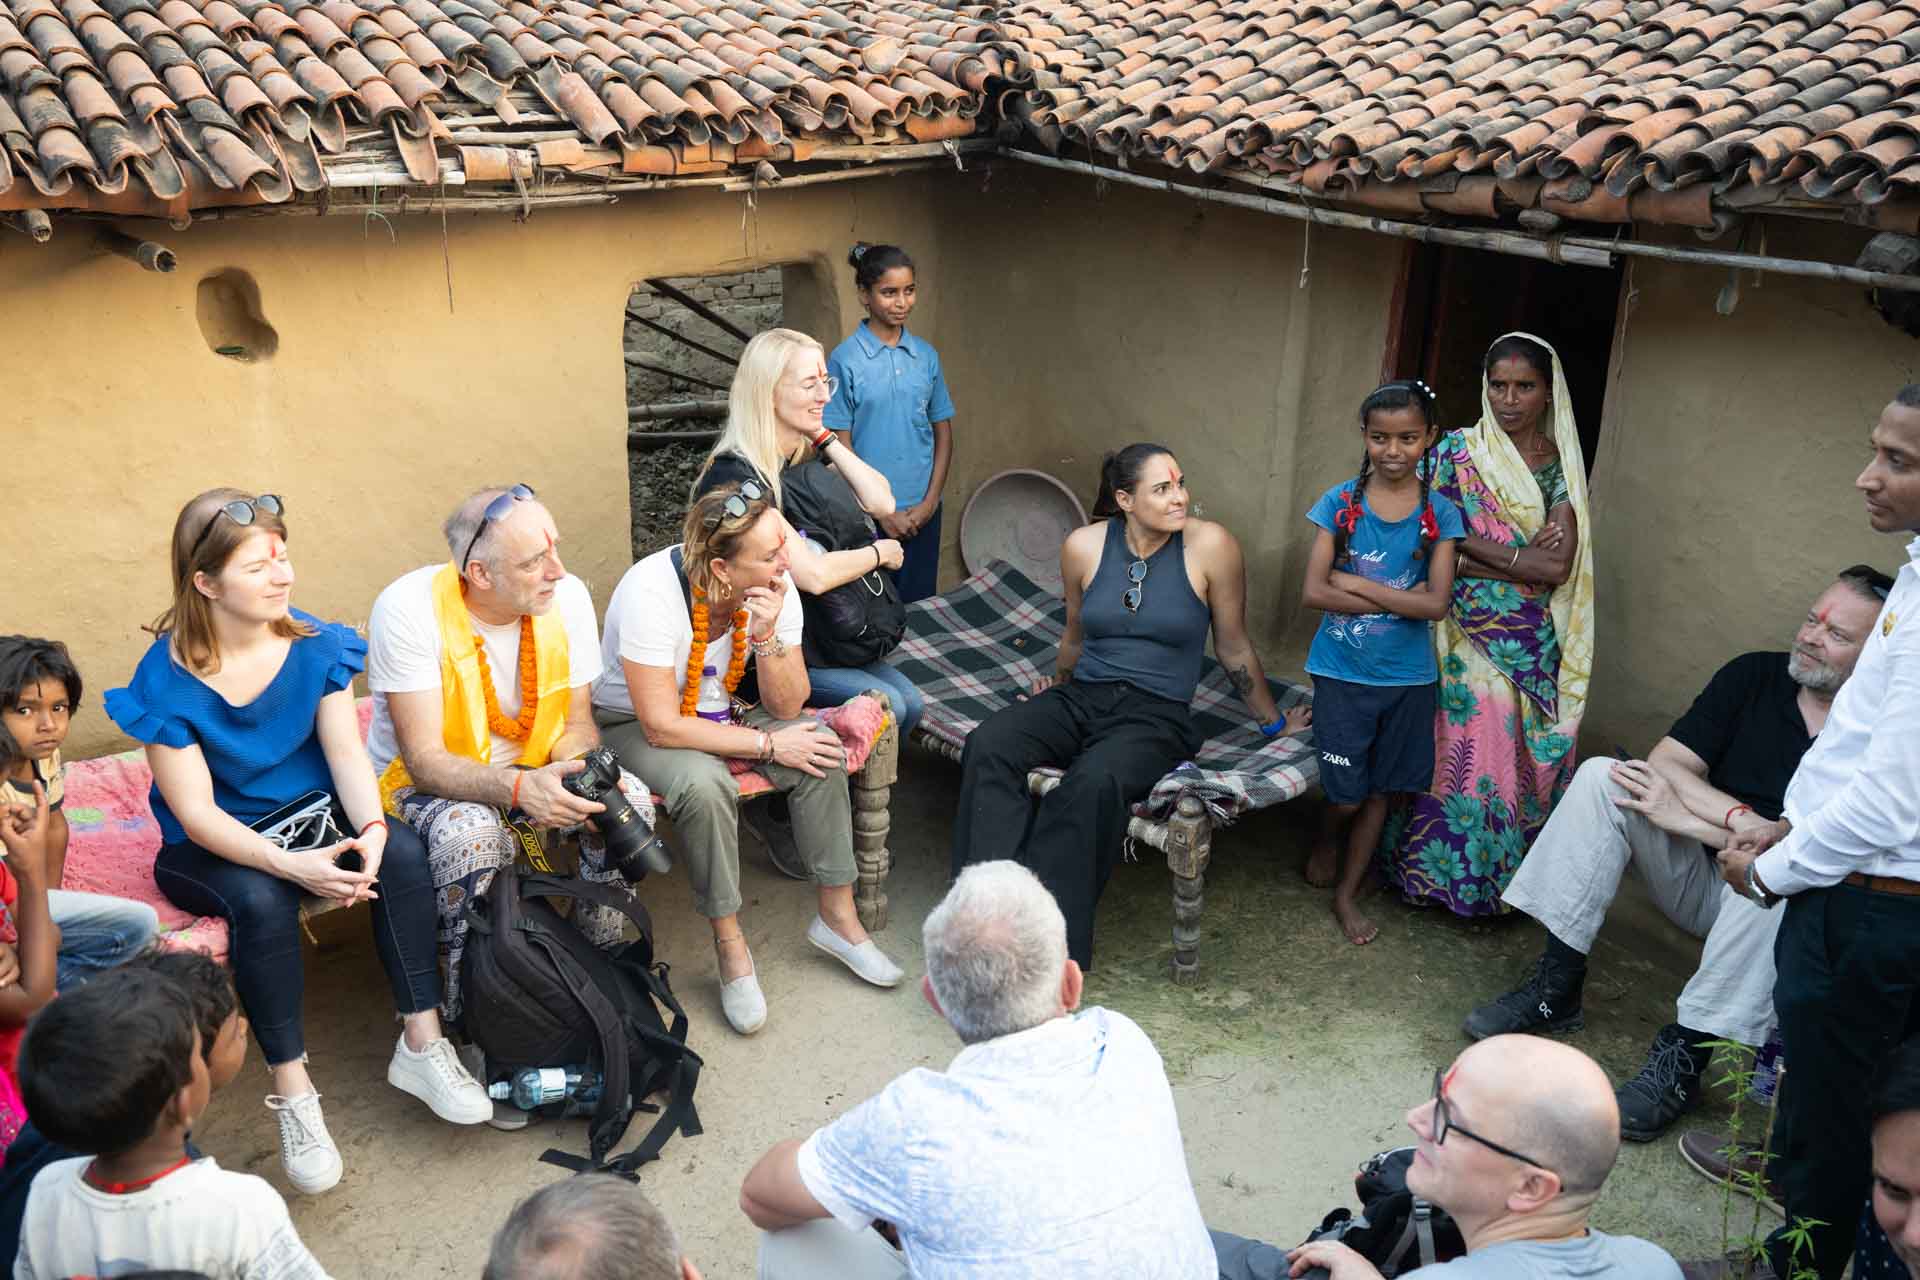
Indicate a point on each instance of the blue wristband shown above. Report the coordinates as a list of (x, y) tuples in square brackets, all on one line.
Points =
[(1273, 730)]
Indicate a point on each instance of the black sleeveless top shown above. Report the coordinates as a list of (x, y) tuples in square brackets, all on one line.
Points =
[(1160, 647)]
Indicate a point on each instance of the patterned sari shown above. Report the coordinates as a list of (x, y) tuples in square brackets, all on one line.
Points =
[(1514, 662)]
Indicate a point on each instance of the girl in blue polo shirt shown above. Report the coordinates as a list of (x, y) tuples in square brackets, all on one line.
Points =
[(1381, 570), (892, 400)]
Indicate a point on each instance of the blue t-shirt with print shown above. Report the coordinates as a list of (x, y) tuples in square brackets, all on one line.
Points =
[(1380, 648)]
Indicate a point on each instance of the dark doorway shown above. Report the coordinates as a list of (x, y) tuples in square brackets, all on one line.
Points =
[(1451, 303)]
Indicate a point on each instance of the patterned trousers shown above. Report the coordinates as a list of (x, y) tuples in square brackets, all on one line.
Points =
[(468, 842)]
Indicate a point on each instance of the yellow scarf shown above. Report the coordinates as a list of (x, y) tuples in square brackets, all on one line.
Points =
[(1506, 473), (463, 710)]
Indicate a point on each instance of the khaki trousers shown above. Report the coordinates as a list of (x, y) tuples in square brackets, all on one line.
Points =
[(703, 802)]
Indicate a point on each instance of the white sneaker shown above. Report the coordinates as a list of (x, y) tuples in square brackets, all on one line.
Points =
[(307, 1152), (436, 1077), (866, 959)]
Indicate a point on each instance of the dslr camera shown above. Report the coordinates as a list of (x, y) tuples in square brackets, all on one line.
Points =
[(632, 847)]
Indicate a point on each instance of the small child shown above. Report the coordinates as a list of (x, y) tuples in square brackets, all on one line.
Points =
[(1381, 569), (216, 1011), (117, 1068), (39, 692), (892, 405)]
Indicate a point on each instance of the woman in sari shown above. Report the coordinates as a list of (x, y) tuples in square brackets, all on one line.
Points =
[(1515, 649)]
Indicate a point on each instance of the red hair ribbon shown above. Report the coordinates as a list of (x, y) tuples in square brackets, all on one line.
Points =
[(1429, 526), (1347, 519)]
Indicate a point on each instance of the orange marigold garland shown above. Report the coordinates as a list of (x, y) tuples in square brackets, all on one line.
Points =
[(518, 728), (697, 653)]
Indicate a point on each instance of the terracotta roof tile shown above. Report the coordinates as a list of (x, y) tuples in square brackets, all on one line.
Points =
[(1631, 97)]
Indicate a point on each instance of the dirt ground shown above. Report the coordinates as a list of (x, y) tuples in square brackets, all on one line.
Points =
[(1296, 1057)]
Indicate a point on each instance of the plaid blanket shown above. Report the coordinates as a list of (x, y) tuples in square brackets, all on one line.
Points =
[(973, 648)]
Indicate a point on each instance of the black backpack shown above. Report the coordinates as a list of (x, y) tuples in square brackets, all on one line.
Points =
[(860, 622), (538, 994), (1396, 1230)]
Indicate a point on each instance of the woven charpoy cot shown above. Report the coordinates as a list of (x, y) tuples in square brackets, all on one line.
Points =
[(972, 649)]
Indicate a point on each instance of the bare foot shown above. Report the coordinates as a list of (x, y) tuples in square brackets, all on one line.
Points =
[(735, 960), (1323, 865), (1359, 930)]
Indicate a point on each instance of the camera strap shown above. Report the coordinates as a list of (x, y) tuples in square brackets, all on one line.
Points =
[(532, 847)]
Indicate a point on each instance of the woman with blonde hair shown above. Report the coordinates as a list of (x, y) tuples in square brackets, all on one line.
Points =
[(245, 705), (775, 433), (682, 629)]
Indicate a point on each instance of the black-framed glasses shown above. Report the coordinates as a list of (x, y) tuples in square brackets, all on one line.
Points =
[(1443, 1125), (1137, 575), (738, 504), (243, 512), (495, 509), (1877, 582)]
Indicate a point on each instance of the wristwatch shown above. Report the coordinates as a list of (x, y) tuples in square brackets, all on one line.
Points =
[(1757, 892)]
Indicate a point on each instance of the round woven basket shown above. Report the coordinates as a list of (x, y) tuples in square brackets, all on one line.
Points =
[(1022, 517)]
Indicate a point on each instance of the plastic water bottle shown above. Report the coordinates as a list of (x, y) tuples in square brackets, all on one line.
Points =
[(714, 703), (530, 1087)]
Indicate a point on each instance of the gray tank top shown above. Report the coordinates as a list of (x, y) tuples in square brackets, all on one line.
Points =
[(1158, 648)]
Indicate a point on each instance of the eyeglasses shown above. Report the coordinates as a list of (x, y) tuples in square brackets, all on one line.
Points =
[(495, 509), (1868, 576), (1443, 1125), (737, 504), (1136, 574), (243, 512), (811, 385)]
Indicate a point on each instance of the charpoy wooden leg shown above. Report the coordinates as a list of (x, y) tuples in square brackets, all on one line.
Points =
[(1189, 846), (872, 788)]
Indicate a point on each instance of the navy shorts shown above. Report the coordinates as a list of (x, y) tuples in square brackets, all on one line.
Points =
[(1373, 739)]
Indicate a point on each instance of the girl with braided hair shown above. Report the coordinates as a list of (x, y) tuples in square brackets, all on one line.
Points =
[(1381, 570)]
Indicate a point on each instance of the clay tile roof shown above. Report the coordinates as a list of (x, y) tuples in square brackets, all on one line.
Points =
[(1817, 99), (165, 106)]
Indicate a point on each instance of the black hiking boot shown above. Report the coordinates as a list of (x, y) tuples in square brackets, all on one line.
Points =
[(1667, 1087), (1549, 1000)]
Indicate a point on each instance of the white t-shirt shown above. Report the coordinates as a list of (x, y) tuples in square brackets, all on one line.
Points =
[(647, 623), (403, 654), (1050, 1154), (228, 1226)]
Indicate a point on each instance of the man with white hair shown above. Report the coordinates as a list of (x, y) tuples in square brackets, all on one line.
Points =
[(1048, 1148), (482, 671), (1722, 769), (1515, 1144), (593, 1227)]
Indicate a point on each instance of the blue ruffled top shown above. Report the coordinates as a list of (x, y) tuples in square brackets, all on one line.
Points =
[(261, 755)]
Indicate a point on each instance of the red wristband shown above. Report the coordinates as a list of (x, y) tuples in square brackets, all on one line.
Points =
[(1727, 821), (517, 775), (824, 439), (377, 822)]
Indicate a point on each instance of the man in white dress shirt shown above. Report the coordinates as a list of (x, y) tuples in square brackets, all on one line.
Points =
[(1048, 1149), (1846, 858)]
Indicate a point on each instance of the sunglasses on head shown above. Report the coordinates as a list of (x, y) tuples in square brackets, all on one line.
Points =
[(737, 504), (1877, 582), (243, 512), (495, 509)]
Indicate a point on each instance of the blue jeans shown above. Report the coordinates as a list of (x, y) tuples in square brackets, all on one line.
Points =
[(96, 932), (262, 913), (835, 685)]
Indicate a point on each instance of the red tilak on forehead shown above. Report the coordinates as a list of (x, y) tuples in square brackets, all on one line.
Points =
[(1824, 615), (276, 545), (549, 538)]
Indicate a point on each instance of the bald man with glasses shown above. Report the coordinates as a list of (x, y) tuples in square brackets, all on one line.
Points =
[(1515, 1144)]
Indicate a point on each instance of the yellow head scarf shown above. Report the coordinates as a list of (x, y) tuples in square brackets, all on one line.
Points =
[(1506, 473)]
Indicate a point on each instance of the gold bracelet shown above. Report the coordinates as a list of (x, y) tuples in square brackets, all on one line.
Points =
[(1514, 561)]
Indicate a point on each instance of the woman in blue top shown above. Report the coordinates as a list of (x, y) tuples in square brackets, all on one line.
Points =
[(1144, 587), (1382, 570), (892, 408), (246, 706)]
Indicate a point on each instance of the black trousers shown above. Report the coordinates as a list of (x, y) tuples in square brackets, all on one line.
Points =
[(1115, 742), (1848, 991)]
